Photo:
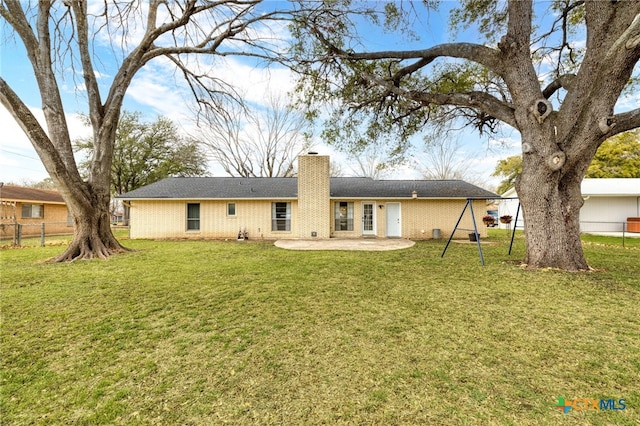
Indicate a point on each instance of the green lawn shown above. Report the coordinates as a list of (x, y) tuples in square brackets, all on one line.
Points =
[(211, 332)]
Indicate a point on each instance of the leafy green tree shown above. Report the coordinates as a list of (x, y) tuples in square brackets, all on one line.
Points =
[(511, 169), (617, 157), (553, 76), (145, 153)]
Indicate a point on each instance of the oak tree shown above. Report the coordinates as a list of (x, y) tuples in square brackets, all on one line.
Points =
[(555, 76), (146, 152)]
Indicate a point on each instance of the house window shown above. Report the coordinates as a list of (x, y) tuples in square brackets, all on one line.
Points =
[(193, 217), (344, 216), (32, 211), (231, 209), (281, 216)]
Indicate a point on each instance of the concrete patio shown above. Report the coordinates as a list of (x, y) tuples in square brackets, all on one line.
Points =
[(370, 244)]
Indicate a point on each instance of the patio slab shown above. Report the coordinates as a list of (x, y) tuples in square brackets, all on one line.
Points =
[(372, 244)]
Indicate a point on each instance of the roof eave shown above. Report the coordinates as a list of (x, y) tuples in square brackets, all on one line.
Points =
[(204, 199), (18, 200)]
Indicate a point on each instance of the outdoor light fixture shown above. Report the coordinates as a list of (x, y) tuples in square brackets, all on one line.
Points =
[(380, 206)]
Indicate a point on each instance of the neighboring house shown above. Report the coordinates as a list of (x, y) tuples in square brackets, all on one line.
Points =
[(117, 217), (31, 208), (607, 204), (313, 205)]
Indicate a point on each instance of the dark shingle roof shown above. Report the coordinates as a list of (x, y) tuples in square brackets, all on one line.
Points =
[(369, 188), (234, 188), (228, 188)]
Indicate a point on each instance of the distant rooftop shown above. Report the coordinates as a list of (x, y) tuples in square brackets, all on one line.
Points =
[(611, 186), (606, 187), (23, 194)]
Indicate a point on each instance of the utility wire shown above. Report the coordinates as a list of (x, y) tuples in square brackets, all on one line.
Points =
[(17, 153)]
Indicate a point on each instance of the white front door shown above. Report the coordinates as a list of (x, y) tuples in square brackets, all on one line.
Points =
[(368, 218), (394, 228)]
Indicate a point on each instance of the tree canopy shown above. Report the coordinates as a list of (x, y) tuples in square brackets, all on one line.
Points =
[(146, 152), (554, 75)]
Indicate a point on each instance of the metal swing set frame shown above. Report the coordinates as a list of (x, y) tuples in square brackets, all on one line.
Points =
[(469, 204)]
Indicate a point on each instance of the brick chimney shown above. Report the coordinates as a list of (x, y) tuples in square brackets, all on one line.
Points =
[(314, 207)]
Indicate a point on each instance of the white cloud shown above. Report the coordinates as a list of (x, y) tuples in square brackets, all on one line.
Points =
[(18, 159), (256, 83), (160, 87), (154, 87)]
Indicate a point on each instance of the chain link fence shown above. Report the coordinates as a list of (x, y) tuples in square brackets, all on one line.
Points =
[(33, 234), (610, 229)]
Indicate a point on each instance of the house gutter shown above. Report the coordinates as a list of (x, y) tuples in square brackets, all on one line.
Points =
[(128, 200)]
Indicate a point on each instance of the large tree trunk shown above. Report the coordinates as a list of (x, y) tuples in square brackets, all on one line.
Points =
[(92, 237), (551, 199), (551, 211)]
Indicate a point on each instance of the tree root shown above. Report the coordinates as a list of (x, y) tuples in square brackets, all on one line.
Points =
[(89, 248)]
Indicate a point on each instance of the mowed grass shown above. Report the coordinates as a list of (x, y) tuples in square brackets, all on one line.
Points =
[(213, 332)]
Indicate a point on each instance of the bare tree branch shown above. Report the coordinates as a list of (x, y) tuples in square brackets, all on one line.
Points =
[(255, 143), (68, 33), (626, 121), (562, 82)]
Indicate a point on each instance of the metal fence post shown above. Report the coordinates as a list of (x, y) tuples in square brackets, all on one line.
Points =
[(18, 234), (42, 235)]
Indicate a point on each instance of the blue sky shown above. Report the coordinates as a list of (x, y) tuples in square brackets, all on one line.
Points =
[(156, 91)]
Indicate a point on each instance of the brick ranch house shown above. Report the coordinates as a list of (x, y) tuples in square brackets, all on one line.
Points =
[(313, 205), (31, 208)]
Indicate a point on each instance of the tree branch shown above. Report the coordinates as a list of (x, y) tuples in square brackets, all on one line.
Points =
[(520, 13), (562, 82), (478, 100), (90, 81), (474, 52), (626, 121), (16, 18), (36, 134)]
